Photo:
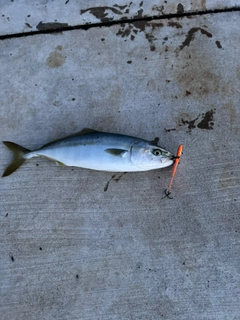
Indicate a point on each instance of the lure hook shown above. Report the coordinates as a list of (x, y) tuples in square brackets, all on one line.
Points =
[(167, 194), (177, 159)]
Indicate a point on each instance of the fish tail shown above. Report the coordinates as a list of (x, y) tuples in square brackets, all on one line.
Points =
[(18, 160)]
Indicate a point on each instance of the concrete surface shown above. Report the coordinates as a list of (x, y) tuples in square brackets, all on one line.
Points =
[(27, 15), (79, 244)]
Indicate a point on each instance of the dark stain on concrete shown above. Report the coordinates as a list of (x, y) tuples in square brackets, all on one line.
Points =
[(158, 9), (169, 130), (101, 13), (180, 8), (218, 43), (151, 38), (50, 25), (207, 120), (174, 24), (55, 59), (139, 25), (114, 178), (197, 74), (202, 83), (124, 31), (132, 29), (129, 30), (121, 7), (139, 14), (190, 36), (155, 25), (203, 4), (28, 25), (190, 123)]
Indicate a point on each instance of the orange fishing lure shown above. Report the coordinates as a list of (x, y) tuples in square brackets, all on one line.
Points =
[(178, 156)]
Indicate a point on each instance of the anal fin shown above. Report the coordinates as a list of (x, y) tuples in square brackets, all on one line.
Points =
[(59, 163)]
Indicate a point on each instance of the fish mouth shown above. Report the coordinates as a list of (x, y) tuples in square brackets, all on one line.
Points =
[(174, 157)]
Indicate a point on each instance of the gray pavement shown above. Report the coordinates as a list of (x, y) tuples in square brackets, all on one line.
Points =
[(81, 244)]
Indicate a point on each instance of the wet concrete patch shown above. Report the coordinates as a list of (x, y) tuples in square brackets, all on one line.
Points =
[(174, 24), (185, 120), (106, 13), (205, 122), (190, 36), (180, 8), (196, 71), (55, 58), (132, 29)]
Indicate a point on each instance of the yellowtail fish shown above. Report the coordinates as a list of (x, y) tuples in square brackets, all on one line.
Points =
[(95, 150)]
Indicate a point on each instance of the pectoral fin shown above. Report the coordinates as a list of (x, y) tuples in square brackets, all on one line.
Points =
[(117, 152)]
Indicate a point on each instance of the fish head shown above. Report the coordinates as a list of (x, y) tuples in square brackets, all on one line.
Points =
[(148, 157)]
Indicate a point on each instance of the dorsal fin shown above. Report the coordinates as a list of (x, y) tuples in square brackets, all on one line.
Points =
[(155, 141), (83, 131)]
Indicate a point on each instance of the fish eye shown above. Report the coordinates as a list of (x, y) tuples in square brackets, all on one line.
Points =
[(156, 152)]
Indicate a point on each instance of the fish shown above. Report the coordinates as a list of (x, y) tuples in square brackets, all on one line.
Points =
[(95, 150)]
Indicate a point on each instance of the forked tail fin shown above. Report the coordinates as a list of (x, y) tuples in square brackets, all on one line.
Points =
[(18, 160)]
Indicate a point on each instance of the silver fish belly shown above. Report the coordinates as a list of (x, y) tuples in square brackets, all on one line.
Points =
[(95, 150)]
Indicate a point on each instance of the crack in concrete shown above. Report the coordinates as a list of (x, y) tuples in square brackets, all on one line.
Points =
[(115, 22)]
